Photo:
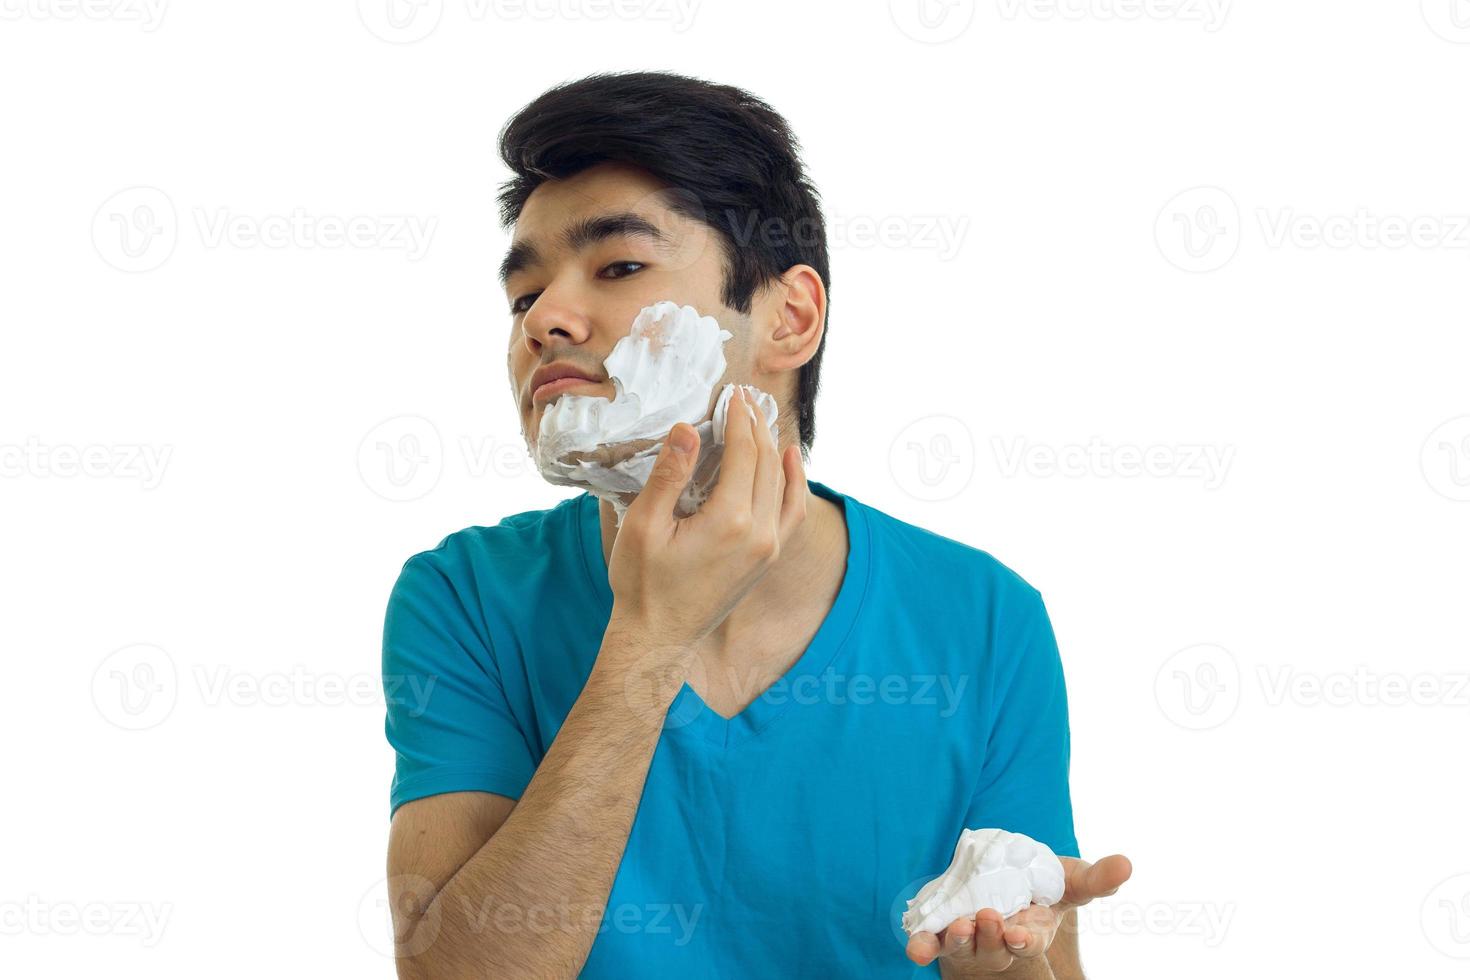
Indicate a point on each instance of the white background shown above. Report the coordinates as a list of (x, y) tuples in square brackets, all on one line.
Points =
[(1064, 238)]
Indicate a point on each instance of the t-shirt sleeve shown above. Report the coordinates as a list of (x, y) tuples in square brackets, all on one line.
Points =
[(1023, 783), (448, 718)]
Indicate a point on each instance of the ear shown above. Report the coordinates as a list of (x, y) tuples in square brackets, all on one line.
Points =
[(792, 327)]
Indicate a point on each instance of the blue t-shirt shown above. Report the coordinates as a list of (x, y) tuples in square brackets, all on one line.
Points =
[(785, 841)]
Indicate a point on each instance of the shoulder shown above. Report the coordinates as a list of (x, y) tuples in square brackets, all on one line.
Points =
[(462, 594), (484, 559), (920, 555), (518, 537)]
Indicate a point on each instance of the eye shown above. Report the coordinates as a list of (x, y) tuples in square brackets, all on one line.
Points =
[(623, 265), (523, 303)]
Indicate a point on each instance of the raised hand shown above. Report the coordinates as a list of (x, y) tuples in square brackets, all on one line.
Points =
[(678, 578)]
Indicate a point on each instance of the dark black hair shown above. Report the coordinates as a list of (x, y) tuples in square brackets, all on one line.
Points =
[(734, 162)]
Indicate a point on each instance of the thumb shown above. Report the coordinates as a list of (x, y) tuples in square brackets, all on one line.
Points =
[(673, 468)]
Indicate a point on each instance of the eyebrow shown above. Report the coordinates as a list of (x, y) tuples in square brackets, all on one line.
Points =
[(579, 235)]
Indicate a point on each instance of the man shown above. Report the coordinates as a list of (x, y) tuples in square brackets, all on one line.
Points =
[(730, 745)]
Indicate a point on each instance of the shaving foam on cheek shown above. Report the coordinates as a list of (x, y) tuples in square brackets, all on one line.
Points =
[(663, 372)]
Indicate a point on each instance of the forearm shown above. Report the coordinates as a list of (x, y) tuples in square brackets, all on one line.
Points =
[(530, 901)]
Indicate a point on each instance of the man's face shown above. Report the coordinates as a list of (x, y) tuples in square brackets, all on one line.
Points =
[(588, 254)]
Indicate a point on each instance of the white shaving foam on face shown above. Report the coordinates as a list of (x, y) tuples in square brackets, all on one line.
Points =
[(663, 372)]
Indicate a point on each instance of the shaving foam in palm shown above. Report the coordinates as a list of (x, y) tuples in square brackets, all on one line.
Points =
[(663, 373)]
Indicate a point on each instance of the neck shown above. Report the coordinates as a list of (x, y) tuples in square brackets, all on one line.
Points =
[(809, 570)]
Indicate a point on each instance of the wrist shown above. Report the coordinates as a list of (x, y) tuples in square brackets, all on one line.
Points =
[(637, 636), (1035, 968), (641, 665)]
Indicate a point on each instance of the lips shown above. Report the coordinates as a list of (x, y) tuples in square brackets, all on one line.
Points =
[(552, 379), (553, 388)]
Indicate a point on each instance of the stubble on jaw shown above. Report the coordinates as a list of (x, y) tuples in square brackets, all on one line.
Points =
[(612, 454)]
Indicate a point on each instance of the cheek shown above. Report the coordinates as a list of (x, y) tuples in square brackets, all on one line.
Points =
[(518, 361)]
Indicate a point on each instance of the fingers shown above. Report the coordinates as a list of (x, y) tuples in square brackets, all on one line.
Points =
[(979, 942), (955, 942), (756, 477), (1086, 881), (766, 486), (671, 473), (793, 494), (923, 948), (1110, 873), (959, 938), (733, 492), (1029, 932), (991, 944)]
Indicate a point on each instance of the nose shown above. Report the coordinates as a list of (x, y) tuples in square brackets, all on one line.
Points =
[(551, 322)]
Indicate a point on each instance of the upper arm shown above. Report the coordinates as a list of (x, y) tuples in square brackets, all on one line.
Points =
[(449, 720), (461, 760), (1023, 785), (429, 840)]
